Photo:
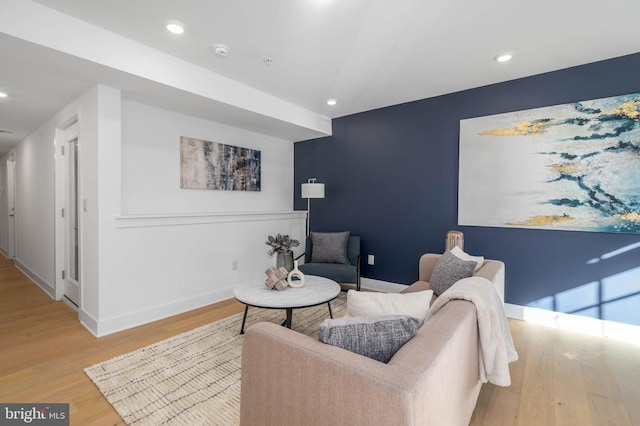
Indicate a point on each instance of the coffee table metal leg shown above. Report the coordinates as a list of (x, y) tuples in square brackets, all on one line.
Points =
[(330, 313), (244, 318), (287, 322)]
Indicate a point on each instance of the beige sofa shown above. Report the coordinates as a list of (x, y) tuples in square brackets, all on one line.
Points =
[(292, 379)]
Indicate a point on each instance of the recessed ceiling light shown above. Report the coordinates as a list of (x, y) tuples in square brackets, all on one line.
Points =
[(175, 28), (503, 58), (3, 95), (221, 49), (331, 102)]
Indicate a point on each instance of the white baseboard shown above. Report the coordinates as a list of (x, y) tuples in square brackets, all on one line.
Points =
[(578, 323), (133, 319), (39, 281), (88, 322), (388, 287)]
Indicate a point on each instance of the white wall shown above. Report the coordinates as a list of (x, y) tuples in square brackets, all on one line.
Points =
[(4, 220), (34, 206), (171, 249), (151, 165), (35, 198), (148, 249), (99, 110)]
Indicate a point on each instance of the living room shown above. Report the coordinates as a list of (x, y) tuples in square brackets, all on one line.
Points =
[(151, 250), (405, 155)]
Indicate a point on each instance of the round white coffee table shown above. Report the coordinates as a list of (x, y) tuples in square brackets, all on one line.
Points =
[(316, 291)]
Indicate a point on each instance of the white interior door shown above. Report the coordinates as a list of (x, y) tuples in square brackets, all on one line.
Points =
[(11, 207), (71, 218)]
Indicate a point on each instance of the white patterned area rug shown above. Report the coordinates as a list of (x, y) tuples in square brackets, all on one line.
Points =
[(192, 378)]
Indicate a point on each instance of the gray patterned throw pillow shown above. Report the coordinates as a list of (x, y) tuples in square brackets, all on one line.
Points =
[(329, 247), (378, 338), (449, 270)]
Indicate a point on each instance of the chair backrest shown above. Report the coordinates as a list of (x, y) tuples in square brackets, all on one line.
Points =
[(353, 250)]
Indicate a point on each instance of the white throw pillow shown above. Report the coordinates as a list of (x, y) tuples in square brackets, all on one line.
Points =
[(460, 254), (372, 304)]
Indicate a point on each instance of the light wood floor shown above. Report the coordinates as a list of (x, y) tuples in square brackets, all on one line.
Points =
[(561, 378)]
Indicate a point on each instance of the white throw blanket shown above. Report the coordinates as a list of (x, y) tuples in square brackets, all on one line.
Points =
[(496, 349)]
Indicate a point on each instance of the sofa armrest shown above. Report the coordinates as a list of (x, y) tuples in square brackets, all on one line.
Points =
[(290, 378), (417, 286), (427, 264), (493, 270)]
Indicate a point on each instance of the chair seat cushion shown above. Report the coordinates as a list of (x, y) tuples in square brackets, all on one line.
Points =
[(334, 271)]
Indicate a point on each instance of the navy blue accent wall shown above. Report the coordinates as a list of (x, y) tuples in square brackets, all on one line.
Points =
[(391, 177)]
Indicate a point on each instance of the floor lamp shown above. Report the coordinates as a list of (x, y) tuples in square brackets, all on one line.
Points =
[(310, 190)]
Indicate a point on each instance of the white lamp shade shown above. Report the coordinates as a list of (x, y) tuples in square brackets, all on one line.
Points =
[(313, 190)]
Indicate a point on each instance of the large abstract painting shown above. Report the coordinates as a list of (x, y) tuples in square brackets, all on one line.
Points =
[(211, 165), (567, 167)]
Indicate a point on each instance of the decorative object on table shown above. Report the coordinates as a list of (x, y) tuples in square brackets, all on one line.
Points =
[(565, 167), (281, 246), (285, 260), (276, 278), (454, 238), (212, 165), (295, 277), (310, 190)]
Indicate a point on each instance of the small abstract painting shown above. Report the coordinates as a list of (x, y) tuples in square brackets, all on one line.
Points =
[(566, 167), (211, 165)]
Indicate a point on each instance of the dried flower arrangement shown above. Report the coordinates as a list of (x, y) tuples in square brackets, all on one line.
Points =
[(280, 244)]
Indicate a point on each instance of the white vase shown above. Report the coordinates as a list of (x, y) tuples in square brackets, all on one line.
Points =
[(295, 277)]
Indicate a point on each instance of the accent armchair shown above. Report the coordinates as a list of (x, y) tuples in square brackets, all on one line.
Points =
[(346, 273)]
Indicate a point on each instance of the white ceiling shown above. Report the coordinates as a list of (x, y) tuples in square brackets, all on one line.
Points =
[(366, 54)]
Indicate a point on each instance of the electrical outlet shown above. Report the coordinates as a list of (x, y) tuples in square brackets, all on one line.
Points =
[(371, 259), (234, 265)]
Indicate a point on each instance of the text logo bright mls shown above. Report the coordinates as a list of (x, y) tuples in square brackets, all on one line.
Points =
[(37, 414)]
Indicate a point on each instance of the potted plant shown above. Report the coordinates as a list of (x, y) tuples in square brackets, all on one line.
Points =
[(281, 246)]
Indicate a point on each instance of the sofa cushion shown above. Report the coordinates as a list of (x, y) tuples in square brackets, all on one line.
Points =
[(372, 304), (460, 254), (378, 338), (449, 270), (329, 247)]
